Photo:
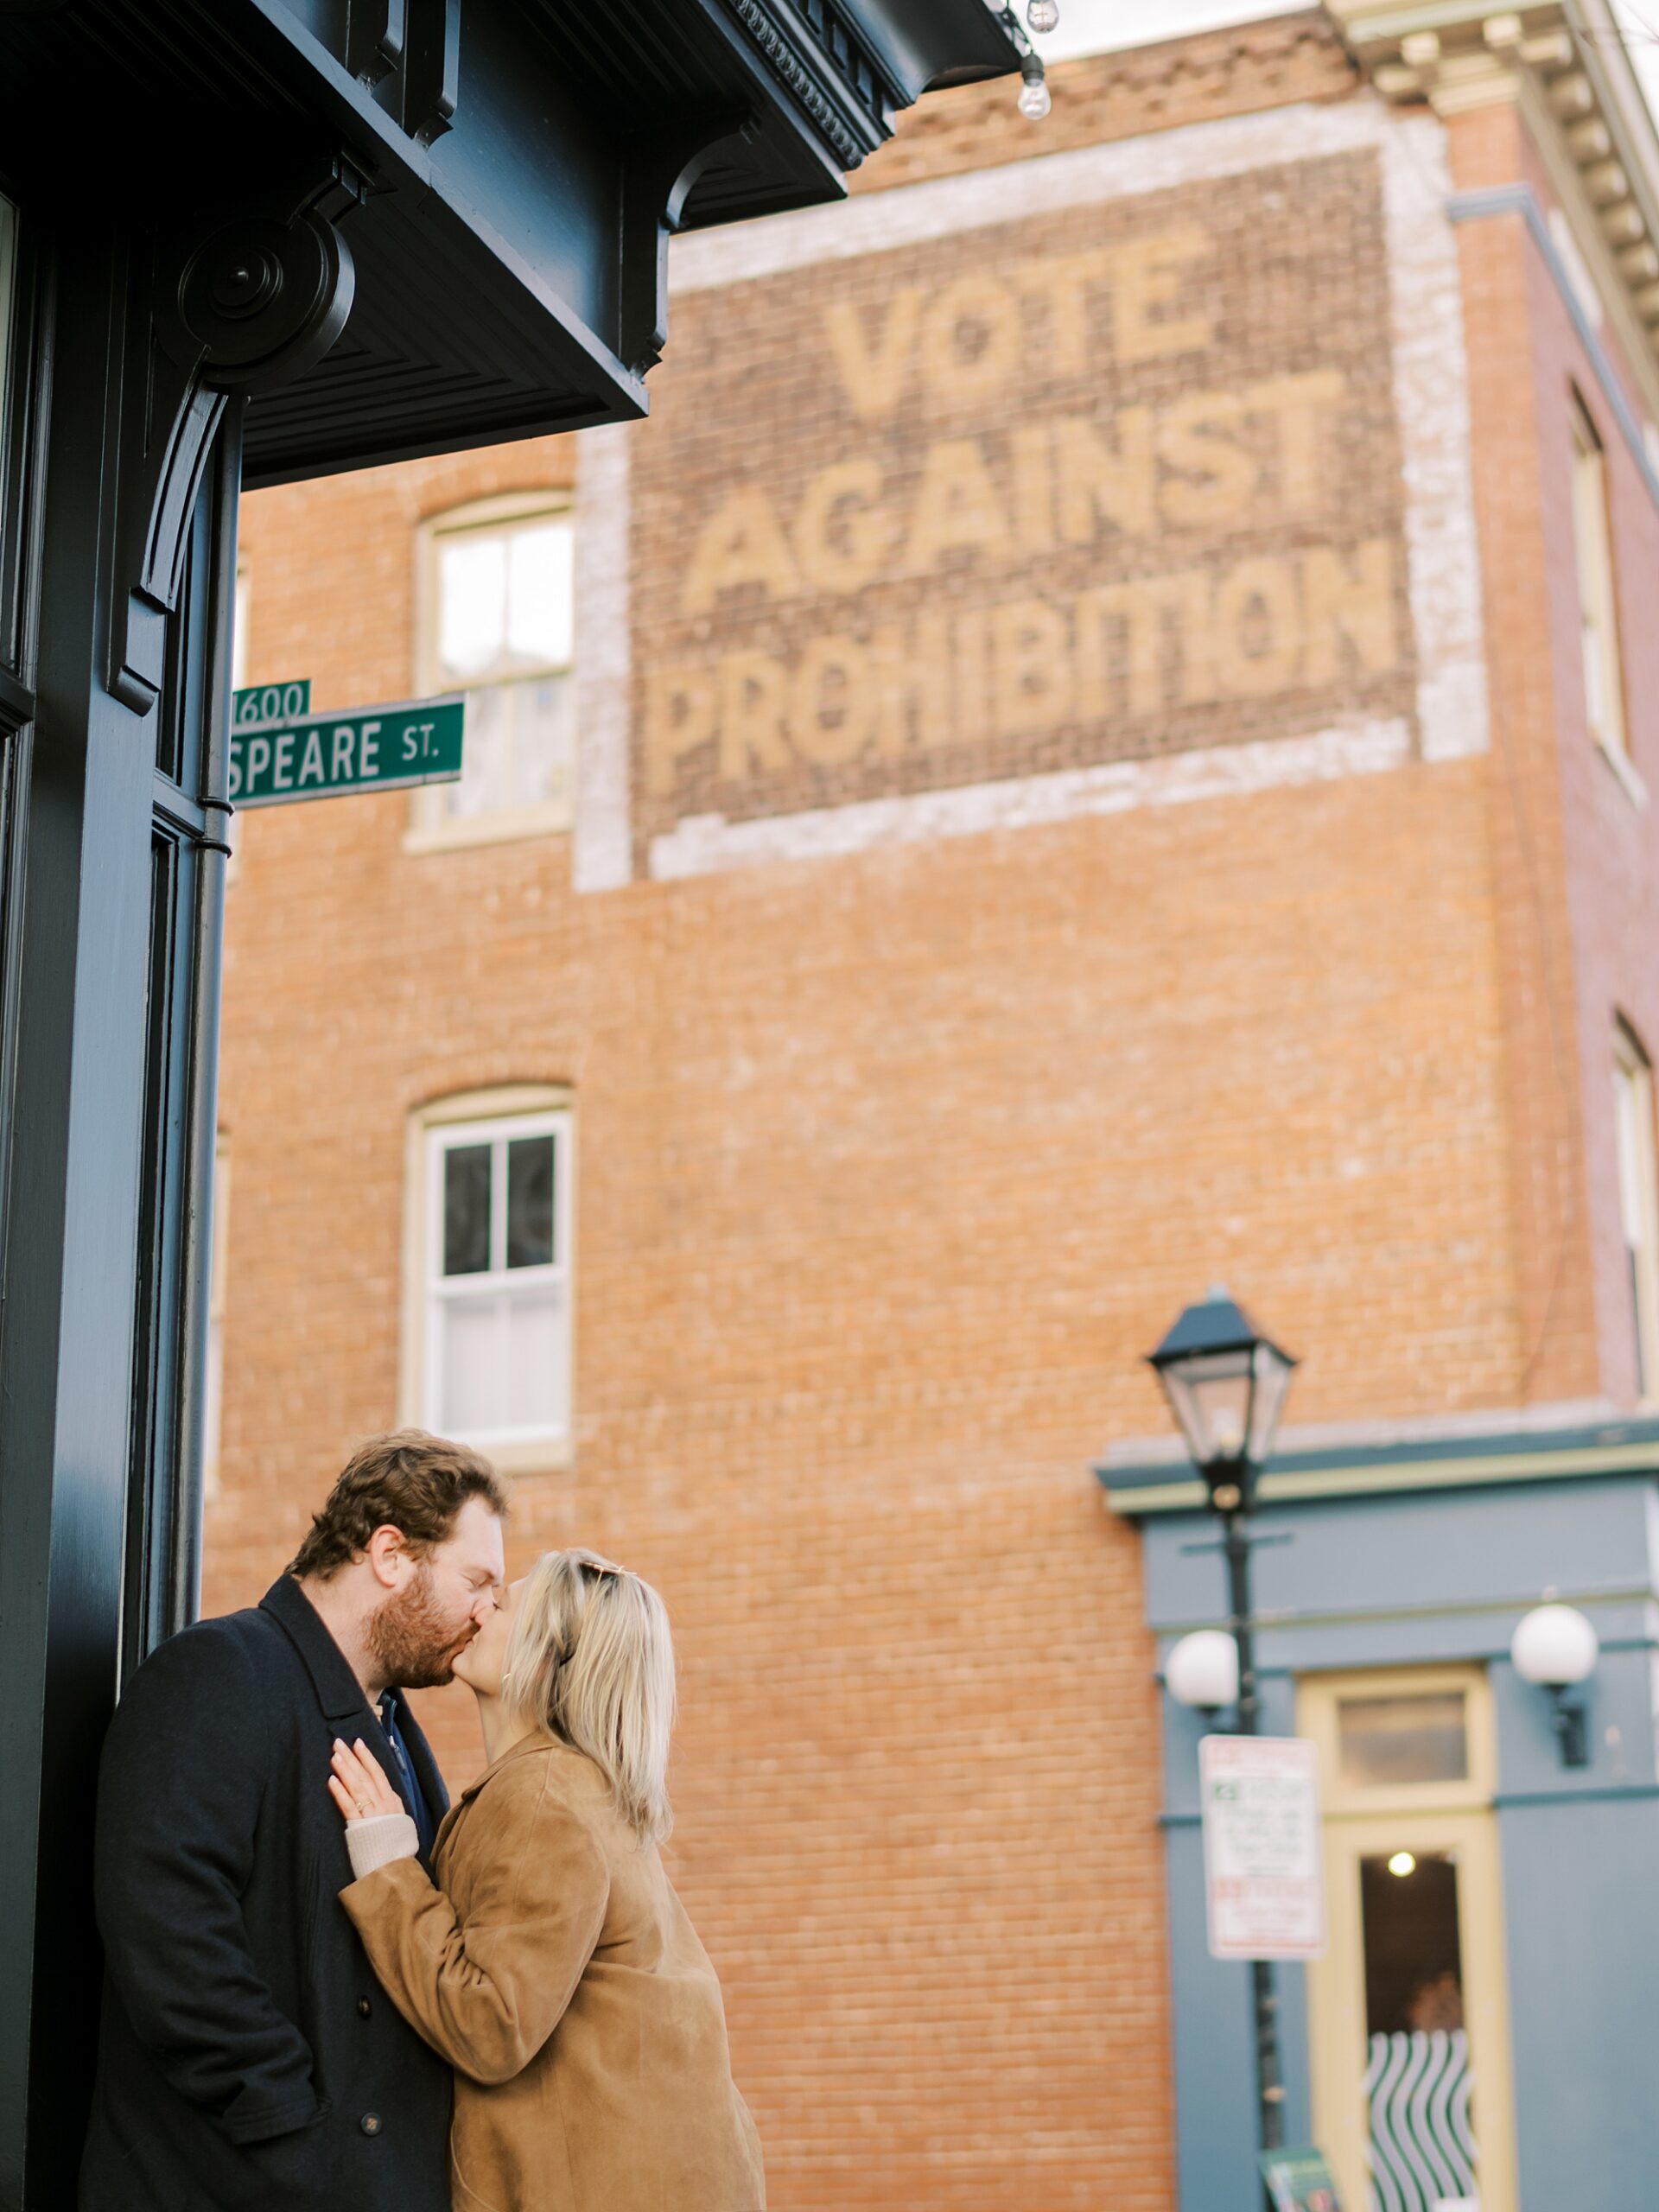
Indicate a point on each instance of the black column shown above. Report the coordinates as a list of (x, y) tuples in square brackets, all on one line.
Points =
[(115, 848)]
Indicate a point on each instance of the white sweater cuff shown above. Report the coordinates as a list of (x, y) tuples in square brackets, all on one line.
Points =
[(378, 1842)]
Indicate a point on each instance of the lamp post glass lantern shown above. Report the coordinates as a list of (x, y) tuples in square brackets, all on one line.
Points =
[(1226, 1385)]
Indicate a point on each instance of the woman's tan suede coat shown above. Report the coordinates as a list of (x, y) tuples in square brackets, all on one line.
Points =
[(556, 1970)]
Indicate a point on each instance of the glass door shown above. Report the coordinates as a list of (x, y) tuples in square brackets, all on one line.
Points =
[(1408, 2011), (1419, 2087)]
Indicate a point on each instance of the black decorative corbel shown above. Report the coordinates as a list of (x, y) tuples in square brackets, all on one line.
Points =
[(374, 38), (416, 45), (431, 69), (256, 301), (655, 189)]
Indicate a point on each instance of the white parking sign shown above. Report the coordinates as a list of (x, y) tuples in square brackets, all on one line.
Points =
[(1262, 1856)]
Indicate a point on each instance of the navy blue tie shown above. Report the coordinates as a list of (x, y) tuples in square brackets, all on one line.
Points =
[(414, 1795)]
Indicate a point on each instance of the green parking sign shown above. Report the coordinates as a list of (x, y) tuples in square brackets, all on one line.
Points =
[(368, 749)]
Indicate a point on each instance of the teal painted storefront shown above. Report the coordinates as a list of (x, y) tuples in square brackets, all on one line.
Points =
[(1426, 1551)]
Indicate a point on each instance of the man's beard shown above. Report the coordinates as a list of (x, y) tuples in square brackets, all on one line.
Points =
[(411, 1643)]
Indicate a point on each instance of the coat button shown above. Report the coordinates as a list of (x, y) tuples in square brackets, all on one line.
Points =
[(370, 2123), (363, 2008)]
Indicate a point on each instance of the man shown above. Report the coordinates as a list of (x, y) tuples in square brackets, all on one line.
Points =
[(248, 2061)]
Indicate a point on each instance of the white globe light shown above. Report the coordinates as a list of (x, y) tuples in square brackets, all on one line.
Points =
[(1203, 1670), (1555, 1646), (1043, 14), (1034, 100)]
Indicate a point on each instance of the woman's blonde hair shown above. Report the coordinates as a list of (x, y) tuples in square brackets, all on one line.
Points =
[(590, 1659)]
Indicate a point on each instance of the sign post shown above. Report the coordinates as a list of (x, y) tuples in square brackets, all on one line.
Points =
[(273, 763), (1262, 1858)]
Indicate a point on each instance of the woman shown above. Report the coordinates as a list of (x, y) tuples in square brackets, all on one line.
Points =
[(548, 1957)]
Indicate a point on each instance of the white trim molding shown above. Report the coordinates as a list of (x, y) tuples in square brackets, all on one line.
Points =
[(603, 858), (704, 842)]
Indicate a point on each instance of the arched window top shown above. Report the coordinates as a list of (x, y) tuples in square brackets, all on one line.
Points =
[(1627, 1047)]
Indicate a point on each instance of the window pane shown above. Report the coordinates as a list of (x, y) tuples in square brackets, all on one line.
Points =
[(505, 599), (1413, 1960), (471, 603), (529, 1202), (541, 614), (519, 748), (466, 1209), (1386, 1741), (1417, 2081), (1593, 549), (471, 1364), (535, 1396)]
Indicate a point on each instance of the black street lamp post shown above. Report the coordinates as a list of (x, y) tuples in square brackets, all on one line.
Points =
[(1226, 1385)]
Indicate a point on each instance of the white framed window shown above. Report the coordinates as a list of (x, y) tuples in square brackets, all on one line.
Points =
[(488, 1334), (495, 621), (1592, 542), (213, 1419), (1638, 1200)]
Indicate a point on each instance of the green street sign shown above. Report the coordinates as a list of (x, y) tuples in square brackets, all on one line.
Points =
[(369, 749), (270, 702)]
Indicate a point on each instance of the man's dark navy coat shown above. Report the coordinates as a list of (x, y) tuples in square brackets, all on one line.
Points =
[(248, 2061)]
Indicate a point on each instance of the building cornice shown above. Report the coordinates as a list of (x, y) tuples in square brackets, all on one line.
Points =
[(1565, 65), (1557, 1444)]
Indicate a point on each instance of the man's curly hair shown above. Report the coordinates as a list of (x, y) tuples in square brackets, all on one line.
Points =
[(408, 1480)]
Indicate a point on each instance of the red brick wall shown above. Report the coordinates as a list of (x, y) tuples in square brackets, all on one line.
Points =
[(890, 1167), (1234, 71), (889, 1171), (1578, 862), (1030, 496)]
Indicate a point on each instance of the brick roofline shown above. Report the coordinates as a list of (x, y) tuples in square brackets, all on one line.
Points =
[(1102, 96)]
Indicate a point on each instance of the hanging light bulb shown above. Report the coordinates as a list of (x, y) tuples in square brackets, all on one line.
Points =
[(1043, 14), (1034, 100)]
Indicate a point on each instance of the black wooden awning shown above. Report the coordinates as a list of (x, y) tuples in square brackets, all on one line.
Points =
[(510, 169)]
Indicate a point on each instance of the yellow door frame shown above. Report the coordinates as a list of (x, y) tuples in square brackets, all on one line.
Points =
[(1449, 1819)]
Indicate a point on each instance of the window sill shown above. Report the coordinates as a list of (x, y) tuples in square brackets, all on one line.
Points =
[(489, 829), (553, 1455), (1626, 771)]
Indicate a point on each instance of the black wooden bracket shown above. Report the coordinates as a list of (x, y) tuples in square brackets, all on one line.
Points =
[(655, 188), (416, 44), (256, 301), (431, 68), (375, 31)]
